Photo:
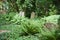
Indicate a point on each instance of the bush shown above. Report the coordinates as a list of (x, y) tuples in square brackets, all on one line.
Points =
[(52, 18), (6, 18)]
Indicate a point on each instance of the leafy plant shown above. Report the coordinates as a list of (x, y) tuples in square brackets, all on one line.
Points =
[(6, 18)]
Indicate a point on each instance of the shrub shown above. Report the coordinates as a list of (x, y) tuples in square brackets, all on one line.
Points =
[(6, 18)]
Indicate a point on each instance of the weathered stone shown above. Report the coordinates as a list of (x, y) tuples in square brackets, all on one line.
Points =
[(32, 15), (22, 14), (50, 25)]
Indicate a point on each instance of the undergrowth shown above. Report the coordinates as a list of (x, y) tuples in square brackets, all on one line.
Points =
[(27, 29)]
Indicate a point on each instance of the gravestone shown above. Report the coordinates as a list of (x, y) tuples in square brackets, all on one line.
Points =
[(22, 14), (32, 15)]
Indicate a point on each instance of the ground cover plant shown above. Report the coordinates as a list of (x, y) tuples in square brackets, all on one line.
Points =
[(29, 20), (28, 29)]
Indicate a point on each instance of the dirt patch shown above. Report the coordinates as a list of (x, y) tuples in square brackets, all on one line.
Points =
[(3, 31)]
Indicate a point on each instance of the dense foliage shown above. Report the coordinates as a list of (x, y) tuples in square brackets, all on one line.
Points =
[(24, 29), (40, 7), (44, 26)]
